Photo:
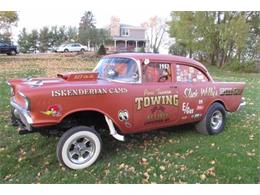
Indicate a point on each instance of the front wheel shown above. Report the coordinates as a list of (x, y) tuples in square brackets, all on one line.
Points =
[(214, 121), (79, 147)]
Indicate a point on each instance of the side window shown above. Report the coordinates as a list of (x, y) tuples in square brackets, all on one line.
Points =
[(157, 72), (189, 74)]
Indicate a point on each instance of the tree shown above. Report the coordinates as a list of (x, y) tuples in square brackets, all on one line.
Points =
[(215, 37), (28, 41), (23, 41), (44, 39), (7, 20), (87, 28), (155, 31), (72, 34), (34, 40)]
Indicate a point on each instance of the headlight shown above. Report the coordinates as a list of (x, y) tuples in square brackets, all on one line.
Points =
[(26, 99)]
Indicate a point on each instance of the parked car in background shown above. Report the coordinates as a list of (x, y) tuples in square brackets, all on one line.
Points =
[(9, 49), (72, 47)]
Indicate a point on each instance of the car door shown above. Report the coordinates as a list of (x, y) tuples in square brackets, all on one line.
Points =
[(156, 99), (194, 92), (77, 47)]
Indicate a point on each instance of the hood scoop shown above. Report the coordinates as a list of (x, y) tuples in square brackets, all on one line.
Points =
[(79, 76)]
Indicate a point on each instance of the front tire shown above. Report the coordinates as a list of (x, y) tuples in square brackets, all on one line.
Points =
[(79, 147), (214, 121)]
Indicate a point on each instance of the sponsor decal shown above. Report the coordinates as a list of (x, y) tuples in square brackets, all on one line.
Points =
[(53, 110), (200, 107), (208, 91), (186, 108), (157, 115), (83, 91), (230, 91), (123, 116), (144, 102), (184, 117), (164, 66), (192, 93), (197, 115)]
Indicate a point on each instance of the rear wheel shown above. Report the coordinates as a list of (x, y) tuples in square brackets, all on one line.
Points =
[(79, 147), (66, 50), (214, 120)]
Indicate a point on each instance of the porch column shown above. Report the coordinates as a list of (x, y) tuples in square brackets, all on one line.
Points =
[(115, 45), (136, 46), (126, 44)]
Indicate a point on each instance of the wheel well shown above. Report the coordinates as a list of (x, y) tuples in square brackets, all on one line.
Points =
[(222, 103), (87, 118)]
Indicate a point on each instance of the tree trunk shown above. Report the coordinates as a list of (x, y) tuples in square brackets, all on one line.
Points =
[(190, 53)]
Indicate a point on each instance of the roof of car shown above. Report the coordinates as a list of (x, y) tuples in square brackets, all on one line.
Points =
[(160, 57)]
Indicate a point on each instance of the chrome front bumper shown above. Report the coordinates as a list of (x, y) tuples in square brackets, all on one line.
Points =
[(22, 115), (242, 104)]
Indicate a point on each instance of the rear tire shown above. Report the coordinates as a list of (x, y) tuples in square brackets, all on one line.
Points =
[(79, 147), (214, 121), (66, 50)]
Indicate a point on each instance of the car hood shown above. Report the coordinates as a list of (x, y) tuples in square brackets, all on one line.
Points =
[(67, 81)]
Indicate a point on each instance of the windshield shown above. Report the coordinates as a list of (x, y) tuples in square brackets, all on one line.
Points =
[(118, 69)]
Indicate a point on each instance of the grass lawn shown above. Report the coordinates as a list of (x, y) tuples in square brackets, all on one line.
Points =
[(173, 155)]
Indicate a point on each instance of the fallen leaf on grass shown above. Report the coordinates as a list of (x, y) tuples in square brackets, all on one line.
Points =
[(146, 175), (203, 177), (250, 153), (211, 171), (7, 177), (162, 168), (144, 161), (212, 162), (121, 166)]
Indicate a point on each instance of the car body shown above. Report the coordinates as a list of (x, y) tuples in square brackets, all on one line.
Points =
[(128, 93), (71, 47), (9, 49)]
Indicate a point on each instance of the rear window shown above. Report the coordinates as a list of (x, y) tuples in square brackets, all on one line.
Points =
[(189, 74)]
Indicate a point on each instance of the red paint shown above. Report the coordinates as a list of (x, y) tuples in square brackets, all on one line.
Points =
[(142, 106)]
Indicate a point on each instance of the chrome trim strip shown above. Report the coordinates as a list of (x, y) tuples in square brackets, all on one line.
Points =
[(27, 101), (242, 104), (113, 130), (22, 111)]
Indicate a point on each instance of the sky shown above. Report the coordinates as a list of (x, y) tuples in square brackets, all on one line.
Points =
[(34, 14)]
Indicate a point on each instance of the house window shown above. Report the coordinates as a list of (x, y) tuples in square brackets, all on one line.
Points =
[(124, 32)]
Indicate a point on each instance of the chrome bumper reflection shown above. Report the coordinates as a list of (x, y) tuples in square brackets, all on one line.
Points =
[(22, 114), (242, 104)]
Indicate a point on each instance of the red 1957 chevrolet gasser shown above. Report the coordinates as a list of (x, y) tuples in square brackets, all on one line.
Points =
[(125, 93)]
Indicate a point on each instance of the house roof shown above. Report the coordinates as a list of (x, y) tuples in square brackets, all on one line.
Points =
[(131, 27)]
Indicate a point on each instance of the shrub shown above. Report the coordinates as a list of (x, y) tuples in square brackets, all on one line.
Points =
[(237, 66), (102, 50)]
